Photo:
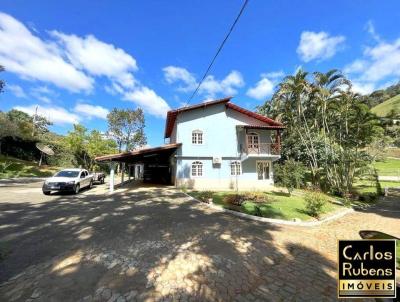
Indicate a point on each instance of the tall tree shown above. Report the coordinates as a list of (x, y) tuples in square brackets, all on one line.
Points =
[(126, 127), (7, 128), (328, 126), (97, 145)]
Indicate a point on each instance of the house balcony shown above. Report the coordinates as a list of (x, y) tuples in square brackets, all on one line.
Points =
[(261, 150)]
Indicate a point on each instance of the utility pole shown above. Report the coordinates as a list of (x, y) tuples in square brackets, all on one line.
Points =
[(34, 121)]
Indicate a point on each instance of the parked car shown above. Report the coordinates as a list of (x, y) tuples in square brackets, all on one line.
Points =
[(98, 177), (68, 180)]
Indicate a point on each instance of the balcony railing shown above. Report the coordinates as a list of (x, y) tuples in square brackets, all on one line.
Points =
[(263, 148)]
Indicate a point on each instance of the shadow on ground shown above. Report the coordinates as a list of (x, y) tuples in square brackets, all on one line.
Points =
[(151, 244)]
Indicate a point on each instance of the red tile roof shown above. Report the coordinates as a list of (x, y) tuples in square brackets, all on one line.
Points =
[(171, 115)]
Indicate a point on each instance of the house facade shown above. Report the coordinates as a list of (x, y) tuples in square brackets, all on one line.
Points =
[(222, 146)]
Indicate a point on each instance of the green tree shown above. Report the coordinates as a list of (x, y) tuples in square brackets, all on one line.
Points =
[(328, 126), (290, 174), (76, 142), (126, 127), (97, 145), (7, 128)]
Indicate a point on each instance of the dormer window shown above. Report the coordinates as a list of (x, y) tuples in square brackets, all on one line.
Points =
[(197, 137)]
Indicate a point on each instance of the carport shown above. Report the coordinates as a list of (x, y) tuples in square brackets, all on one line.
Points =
[(158, 163)]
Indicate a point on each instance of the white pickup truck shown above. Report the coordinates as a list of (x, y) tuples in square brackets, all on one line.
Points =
[(68, 180)]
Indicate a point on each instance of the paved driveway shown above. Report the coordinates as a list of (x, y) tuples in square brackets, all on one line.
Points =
[(155, 244)]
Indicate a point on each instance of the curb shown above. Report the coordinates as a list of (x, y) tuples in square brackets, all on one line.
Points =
[(272, 220)]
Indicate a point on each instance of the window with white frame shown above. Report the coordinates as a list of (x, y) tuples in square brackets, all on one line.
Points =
[(197, 168), (197, 137), (263, 170), (236, 168)]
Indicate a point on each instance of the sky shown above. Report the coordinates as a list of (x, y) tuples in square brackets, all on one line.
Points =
[(77, 60)]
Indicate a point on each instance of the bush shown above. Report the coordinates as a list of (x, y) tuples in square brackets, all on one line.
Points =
[(234, 199), (255, 196), (290, 174), (315, 202), (204, 196), (258, 197)]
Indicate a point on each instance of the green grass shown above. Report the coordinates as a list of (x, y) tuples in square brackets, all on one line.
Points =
[(383, 109), (22, 168), (283, 207), (388, 167)]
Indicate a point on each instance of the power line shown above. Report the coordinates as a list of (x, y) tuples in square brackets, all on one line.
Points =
[(219, 50)]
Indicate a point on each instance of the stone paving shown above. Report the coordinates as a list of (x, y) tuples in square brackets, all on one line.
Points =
[(154, 244)]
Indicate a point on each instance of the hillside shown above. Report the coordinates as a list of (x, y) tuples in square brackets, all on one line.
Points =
[(379, 96), (13, 167), (387, 106)]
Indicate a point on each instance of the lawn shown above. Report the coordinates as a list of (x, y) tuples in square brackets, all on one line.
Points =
[(12, 167), (366, 186), (388, 167), (281, 205)]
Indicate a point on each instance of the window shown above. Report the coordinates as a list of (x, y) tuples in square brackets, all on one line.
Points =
[(197, 168), (197, 137), (235, 168), (262, 170)]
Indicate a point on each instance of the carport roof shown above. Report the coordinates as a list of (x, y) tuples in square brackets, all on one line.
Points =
[(129, 156)]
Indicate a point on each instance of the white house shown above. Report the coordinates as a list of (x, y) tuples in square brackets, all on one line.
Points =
[(212, 145)]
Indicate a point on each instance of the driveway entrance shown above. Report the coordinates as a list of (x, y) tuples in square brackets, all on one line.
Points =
[(155, 244)]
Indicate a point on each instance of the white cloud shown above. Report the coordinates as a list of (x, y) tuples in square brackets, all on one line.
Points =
[(265, 86), (370, 27), (98, 58), (44, 99), (379, 64), (148, 100), (318, 46), (56, 115), (210, 86), (31, 58), (273, 74), (262, 89), (362, 88), (91, 110), (16, 90), (175, 74)]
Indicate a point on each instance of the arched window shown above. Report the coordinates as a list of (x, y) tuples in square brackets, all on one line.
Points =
[(197, 168), (236, 168), (197, 137)]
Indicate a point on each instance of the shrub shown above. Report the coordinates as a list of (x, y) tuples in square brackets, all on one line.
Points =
[(255, 196), (234, 199), (315, 202), (204, 196), (4, 166), (257, 211), (290, 174)]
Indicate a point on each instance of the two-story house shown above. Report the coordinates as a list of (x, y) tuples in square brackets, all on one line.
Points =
[(222, 146), (212, 145)]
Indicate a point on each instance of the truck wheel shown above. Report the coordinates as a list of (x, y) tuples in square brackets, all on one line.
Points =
[(77, 188), (46, 192), (91, 184)]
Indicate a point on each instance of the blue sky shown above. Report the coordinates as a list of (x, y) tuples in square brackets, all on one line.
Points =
[(78, 59)]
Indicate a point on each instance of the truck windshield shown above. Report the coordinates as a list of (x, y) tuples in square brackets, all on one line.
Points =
[(67, 174)]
